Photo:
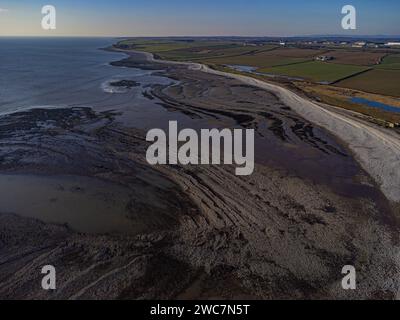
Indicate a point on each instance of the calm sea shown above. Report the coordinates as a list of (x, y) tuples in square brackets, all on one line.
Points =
[(71, 72)]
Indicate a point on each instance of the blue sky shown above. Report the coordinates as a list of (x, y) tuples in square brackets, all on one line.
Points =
[(216, 17)]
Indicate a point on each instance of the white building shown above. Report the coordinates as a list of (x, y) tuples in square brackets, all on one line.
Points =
[(359, 44), (392, 44), (323, 58)]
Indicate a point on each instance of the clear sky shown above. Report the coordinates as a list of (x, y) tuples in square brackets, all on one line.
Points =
[(197, 18)]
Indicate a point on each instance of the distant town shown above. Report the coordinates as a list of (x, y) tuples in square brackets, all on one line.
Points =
[(334, 42)]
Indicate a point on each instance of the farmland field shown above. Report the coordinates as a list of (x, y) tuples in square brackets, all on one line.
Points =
[(297, 53), (164, 45), (204, 53), (269, 58), (316, 71), (391, 62), (259, 60), (362, 58), (182, 50), (379, 81), (393, 58), (370, 70)]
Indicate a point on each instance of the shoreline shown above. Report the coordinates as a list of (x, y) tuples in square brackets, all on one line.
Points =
[(376, 149), (274, 234)]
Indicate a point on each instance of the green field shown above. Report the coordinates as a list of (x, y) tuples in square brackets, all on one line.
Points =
[(222, 52), (390, 62), (291, 61), (268, 57), (182, 50), (393, 58), (383, 79), (257, 60), (208, 53), (315, 71), (164, 45), (378, 81)]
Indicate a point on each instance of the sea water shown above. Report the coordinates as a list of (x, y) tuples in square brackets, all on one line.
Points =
[(76, 72)]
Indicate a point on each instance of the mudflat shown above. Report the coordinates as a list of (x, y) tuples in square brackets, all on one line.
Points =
[(286, 231)]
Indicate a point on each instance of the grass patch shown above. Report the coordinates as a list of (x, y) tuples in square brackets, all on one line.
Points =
[(393, 58), (316, 71), (378, 81), (353, 57), (341, 97), (390, 62), (165, 45), (207, 53), (268, 56), (193, 50), (389, 66), (260, 61)]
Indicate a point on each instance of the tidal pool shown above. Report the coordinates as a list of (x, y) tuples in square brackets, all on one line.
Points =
[(86, 205)]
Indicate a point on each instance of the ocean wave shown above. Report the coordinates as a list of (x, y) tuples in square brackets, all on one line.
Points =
[(109, 88)]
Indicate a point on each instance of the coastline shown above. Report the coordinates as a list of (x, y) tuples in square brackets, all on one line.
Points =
[(274, 234), (377, 149)]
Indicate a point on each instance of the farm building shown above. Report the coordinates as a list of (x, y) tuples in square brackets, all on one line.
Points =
[(324, 58)]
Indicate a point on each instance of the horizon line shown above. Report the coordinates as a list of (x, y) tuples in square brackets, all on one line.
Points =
[(202, 36)]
